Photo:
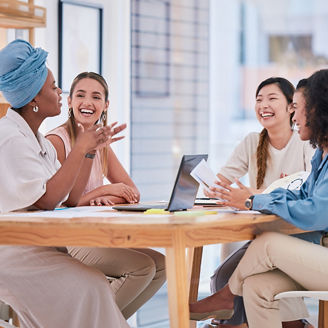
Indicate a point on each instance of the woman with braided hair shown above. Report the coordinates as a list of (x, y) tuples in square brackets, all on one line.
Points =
[(274, 262), (273, 153)]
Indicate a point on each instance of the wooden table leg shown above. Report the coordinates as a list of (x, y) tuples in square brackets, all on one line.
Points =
[(195, 273), (323, 314), (177, 282), (194, 264)]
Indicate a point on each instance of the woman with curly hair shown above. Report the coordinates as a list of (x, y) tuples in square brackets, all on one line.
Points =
[(266, 156), (274, 262)]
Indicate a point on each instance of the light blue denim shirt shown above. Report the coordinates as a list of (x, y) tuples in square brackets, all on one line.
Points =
[(306, 208)]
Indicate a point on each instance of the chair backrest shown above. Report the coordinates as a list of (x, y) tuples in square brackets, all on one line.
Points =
[(322, 296), (319, 295)]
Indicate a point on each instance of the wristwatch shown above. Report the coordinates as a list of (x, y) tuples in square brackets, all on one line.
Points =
[(249, 202)]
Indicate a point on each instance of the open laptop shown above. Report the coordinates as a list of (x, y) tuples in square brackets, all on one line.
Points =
[(184, 191)]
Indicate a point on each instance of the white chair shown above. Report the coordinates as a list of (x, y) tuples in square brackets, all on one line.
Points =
[(4, 324), (322, 296)]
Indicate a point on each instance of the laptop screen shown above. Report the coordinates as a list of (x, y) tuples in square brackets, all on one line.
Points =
[(184, 191), (185, 186)]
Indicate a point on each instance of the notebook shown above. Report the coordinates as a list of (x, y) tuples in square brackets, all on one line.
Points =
[(184, 191), (205, 201)]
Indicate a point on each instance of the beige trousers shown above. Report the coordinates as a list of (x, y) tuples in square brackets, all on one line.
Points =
[(276, 263), (50, 289), (139, 272)]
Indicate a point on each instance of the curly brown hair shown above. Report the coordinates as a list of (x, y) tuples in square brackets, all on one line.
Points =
[(316, 105)]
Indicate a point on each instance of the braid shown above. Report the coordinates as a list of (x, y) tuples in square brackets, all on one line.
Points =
[(261, 157)]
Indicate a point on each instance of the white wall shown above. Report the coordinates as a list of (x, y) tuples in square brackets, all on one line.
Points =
[(116, 62), (224, 76)]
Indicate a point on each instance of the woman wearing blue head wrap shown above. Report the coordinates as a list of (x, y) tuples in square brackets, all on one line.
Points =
[(38, 282)]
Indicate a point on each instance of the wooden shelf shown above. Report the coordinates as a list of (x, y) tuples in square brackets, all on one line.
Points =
[(22, 15)]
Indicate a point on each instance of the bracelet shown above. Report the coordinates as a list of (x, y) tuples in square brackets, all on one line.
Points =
[(90, 155)]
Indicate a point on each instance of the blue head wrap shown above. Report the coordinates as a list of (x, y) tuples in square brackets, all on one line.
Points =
[(23, 72)]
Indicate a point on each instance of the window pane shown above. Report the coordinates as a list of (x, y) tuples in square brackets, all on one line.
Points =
[(169, 103)]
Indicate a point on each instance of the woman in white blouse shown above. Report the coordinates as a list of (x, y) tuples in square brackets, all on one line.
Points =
[(47, 288)]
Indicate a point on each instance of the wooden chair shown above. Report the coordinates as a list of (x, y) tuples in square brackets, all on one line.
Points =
[(3, 109), (4, 324), (322, 296)]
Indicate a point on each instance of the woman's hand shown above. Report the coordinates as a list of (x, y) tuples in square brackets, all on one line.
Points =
[(110, 131), (233, 197), (115, 130), (90, 139), (98, 136), (122, 190), (101, 201)]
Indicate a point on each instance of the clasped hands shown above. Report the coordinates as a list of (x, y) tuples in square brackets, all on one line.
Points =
[(120, 190)]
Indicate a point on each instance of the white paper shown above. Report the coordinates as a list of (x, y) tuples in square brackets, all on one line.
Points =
[(203, 174), (63, 212), (291, 182)]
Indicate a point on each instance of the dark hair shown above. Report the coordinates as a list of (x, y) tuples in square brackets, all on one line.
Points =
[(262, 153), (284, 85), (316, 105), (302, 84)]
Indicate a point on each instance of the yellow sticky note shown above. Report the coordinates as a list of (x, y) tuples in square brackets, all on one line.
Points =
[(156, 211)]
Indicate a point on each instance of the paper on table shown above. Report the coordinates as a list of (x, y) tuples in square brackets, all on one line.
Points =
[(61, 212), (77, 212)]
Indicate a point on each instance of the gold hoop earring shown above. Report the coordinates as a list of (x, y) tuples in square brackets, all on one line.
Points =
[(103, 116), (35, 109)]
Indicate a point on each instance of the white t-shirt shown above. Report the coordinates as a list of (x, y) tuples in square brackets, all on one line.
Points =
[(295, 156), (27, 163)]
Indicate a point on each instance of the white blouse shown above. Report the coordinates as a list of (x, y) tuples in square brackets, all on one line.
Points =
[(295, 156), (27, 162)]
